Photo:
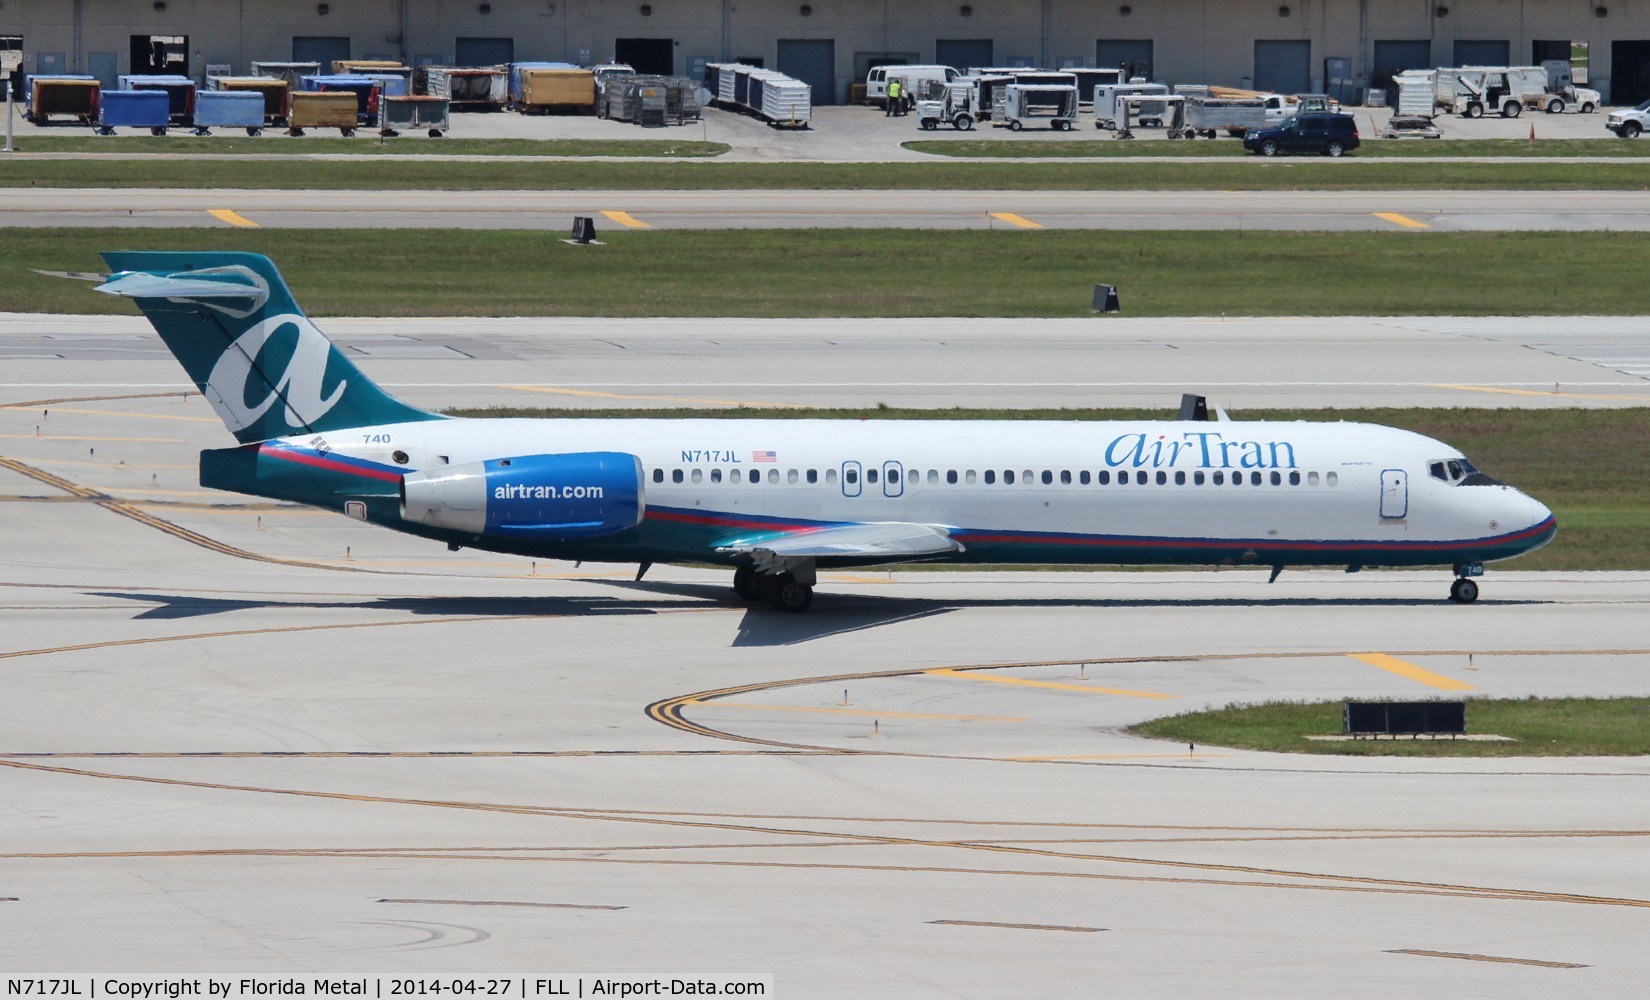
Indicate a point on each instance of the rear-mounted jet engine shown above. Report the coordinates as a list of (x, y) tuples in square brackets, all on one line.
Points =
[(551, 498)]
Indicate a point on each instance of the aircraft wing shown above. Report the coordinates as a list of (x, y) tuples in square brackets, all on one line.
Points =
[(886, 541)]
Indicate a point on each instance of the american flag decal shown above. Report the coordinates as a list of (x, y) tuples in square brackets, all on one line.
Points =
[(764, 456)]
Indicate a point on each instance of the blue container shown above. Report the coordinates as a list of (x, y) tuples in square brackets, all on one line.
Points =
[(180, 92), (150, 109), (389, 84), (229, 109), (364, 88), (516, 71)]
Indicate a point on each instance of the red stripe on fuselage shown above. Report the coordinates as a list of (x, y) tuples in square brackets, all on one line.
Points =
[(330, 464)]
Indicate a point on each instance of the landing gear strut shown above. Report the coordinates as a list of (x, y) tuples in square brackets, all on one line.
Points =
[(783, 591)]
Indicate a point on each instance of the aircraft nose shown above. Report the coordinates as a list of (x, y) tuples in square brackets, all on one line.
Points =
[(1539, 512)]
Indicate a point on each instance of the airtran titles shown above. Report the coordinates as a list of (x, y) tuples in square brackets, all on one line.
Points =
[(1197, 449)]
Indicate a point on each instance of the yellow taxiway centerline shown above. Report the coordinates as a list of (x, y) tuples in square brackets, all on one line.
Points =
[(232, 217), (863, 711), (1539, 392), (1393, 665), (626, 219), (972, 675), (1017, 221), (1401, 220)]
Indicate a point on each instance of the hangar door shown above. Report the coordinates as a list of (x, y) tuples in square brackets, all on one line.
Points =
[(1283, 66), (1133, 54), (813, 61), (653, 56), (1391, 56), (1481, 53), (319, 49), (1629, 73), (961, 53), (484, 51)]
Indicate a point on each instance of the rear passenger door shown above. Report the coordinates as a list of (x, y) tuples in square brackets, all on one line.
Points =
[(1312, 134)]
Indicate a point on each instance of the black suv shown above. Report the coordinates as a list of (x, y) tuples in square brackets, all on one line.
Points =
[(1315, 132)]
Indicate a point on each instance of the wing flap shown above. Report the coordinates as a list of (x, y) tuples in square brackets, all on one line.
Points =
[(886, 541)]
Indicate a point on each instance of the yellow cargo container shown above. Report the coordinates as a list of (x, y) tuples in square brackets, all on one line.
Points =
[(347, 67), (324, 109), (562, 89)]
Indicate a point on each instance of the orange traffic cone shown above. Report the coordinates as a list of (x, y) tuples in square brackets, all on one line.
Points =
[(1532, 131)]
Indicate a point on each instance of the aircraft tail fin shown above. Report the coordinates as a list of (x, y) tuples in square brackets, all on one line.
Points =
[(265, 368)]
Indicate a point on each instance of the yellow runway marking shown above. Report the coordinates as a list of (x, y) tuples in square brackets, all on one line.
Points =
[(1018, 927), (598, 394), (1393, 665), (111, 465), (866, 711), (1025, 682), (626, 219), (1018, 221), (122, 414), (1541, 392), (1484, 958), (116, 490), (77, 437), (233, 218), (178, 508), (1401, 220)]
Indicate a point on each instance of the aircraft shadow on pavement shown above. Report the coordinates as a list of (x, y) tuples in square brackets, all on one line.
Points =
[(831, 614)]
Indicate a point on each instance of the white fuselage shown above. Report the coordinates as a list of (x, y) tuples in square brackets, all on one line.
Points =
[(1077, 491)]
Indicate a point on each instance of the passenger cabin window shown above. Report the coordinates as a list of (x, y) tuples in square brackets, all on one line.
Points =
[(990, 477), (1254, 479), (1197, 478), (1294, 479), (933, 477), (870, 475), (1140, 477), (850, 476), (1102, 477), (1008, 476), (1311, 479), (968, 477), (830, 477), (951, 476), (676, 475), (1277, 479), (813, 476), (658, 475), (1180, 479), (698, 475), (716, 475), (1162, 478), (893, 477), (791, 477), (1220, 478), (1083, 477), (1331, 479), (1048, 477)]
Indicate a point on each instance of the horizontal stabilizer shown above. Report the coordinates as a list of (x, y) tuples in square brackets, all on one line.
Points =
[(212, 283), (884, 541), (75, 275)]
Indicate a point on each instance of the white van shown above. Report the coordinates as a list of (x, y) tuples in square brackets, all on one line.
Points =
[(910, 78)]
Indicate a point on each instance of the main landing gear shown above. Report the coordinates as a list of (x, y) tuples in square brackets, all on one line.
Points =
[(783, 591), (1465, 590)]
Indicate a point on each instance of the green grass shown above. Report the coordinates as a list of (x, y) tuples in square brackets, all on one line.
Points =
[(399, 173), (1542, 727), (1373, 149), (274, 142), (1589, 466), (880, 272)]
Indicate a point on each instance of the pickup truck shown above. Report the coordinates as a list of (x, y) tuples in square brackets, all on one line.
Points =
[(1629, 123)]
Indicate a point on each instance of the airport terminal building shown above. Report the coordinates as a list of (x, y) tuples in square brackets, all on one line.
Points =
[(1341, 46)]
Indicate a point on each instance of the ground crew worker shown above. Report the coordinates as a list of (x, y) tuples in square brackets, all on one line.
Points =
[(893, 98)]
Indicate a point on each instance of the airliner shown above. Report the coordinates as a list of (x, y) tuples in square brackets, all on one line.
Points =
[(779, 500)]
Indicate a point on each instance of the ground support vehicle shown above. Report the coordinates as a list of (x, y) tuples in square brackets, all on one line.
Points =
[(468, 88), (75, 97), (365, 91), (1236, 116), (1328, 133), (1411, 127), (323, 109), (954, 106), (1561, 84), (413, 112), (229, 109), (274, 91), (288, 71), (150, 109), (1473, 91), (1105, 103), (179, 90), (1168, 110), (1021, 103), (911, 80), (537, 91), (1629, 123), (1089, 78)]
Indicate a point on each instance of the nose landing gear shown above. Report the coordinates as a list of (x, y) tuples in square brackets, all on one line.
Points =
[(1465, 590)]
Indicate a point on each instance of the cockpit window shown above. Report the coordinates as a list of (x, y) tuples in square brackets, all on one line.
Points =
[(1459, 472), (1437, 471), (1455, 471)]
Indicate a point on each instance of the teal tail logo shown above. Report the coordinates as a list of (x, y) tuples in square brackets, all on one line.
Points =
[(265, 368)]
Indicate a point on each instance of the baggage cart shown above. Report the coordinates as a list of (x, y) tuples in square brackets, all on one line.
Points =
[(229, 109), (75, 97), (1105, 103), (180, 93), (365, 91), (275, 94), (375, 68), (150, 109), (513, 91), (411, 112), (1025, 102), (468, 89), (681, 107), (570, 91), (288, 71), (323, 109), (784, 102)]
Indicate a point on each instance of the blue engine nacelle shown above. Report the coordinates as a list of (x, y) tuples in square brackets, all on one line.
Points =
[(552, 498)]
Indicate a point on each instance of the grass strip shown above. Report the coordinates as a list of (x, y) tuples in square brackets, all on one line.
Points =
[(1048, 273), (365, 143), (1588, 465), (1541, 727), (400, 174), (1199, 149)]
